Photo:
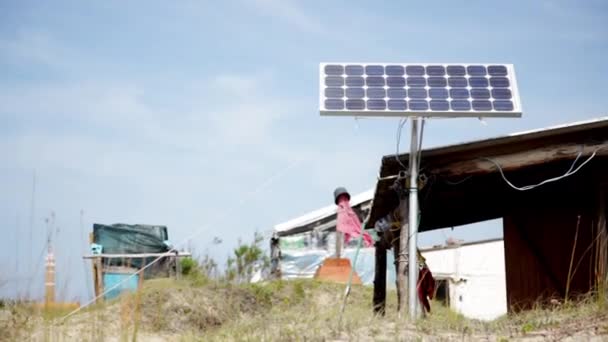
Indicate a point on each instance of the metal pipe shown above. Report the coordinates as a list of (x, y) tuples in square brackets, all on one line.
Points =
[(413, 221), (401, 256), (339, 240)]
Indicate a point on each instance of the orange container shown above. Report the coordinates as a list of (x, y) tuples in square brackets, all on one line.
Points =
[(336, 270)]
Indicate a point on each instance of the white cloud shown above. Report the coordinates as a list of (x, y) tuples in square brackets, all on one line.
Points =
[(291, 13)]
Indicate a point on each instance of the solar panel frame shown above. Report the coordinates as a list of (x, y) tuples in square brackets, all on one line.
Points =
[(400, 70)]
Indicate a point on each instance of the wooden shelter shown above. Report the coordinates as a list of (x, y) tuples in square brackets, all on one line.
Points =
[(555, 235)]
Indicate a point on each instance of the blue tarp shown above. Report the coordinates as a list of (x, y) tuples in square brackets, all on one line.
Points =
[(111, 279)]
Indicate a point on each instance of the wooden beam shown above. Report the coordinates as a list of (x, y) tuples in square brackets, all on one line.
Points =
[(137, 255), (380, 279), (519, 160)]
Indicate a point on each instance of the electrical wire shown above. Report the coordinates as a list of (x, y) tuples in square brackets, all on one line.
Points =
[(458, 182), (399, 128), (570, 172), (420, 143)]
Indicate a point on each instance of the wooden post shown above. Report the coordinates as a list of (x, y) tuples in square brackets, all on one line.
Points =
[(94, 269), (601, 245), (99, 272), (401, 258), (140, 279), (178, 268), (380, 278)]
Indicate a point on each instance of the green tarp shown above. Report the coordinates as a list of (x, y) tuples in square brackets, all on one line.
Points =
[(132, 239), (123, 238)]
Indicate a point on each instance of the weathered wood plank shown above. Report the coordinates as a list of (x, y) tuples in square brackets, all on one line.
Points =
[(516, 161), (137, 256)]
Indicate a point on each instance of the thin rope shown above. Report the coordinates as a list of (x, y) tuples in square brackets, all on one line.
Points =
[(352, 271), (196, 233)]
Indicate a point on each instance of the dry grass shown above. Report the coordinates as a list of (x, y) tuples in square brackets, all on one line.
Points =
[(195, 310)]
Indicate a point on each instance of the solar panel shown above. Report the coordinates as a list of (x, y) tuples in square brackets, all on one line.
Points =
[(427, 90)]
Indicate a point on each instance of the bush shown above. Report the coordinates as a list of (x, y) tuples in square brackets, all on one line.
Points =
[(189, 266)]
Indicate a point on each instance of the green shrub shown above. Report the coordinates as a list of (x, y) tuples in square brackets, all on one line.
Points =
[(189, 266)]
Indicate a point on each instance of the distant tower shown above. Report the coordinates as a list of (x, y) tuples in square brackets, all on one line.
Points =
[(49, 278)]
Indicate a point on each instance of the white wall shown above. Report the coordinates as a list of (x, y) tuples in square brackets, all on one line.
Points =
[(477, 273)]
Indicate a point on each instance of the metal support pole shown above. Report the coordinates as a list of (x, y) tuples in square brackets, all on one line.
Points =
[(413, 221), (400, 249), (339, 242)]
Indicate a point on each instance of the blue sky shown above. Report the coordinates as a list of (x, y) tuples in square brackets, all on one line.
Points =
[(175, 112)]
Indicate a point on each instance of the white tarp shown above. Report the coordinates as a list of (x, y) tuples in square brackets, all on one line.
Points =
[(304, 263)]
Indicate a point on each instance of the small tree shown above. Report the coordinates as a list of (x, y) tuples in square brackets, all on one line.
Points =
[(247, 259)]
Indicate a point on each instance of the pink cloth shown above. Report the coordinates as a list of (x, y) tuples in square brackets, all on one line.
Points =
[(349, 223)]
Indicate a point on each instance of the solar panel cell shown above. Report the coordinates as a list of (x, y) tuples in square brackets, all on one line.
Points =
[(397, 105), (396, 93), (503, 105), (333, 69), (376, 104), (497, 70), (501, 93), (374, 81), (376, 93), (355, 93), (438, 93), (480, 94), (334, 104), (393, 81), (414, 70), (435, 70), (354, 70), (437, 82), (355, 81), (334, 93), (482, 105), (374, 70), (459, 93), (476, 70), (334, 81), (439, 105), (417, 93), (460, 105), (355, 104), (478, 82), (416, 81), (499, 82), (457, 82), (419, 105), (456, 70), (395, 70)]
